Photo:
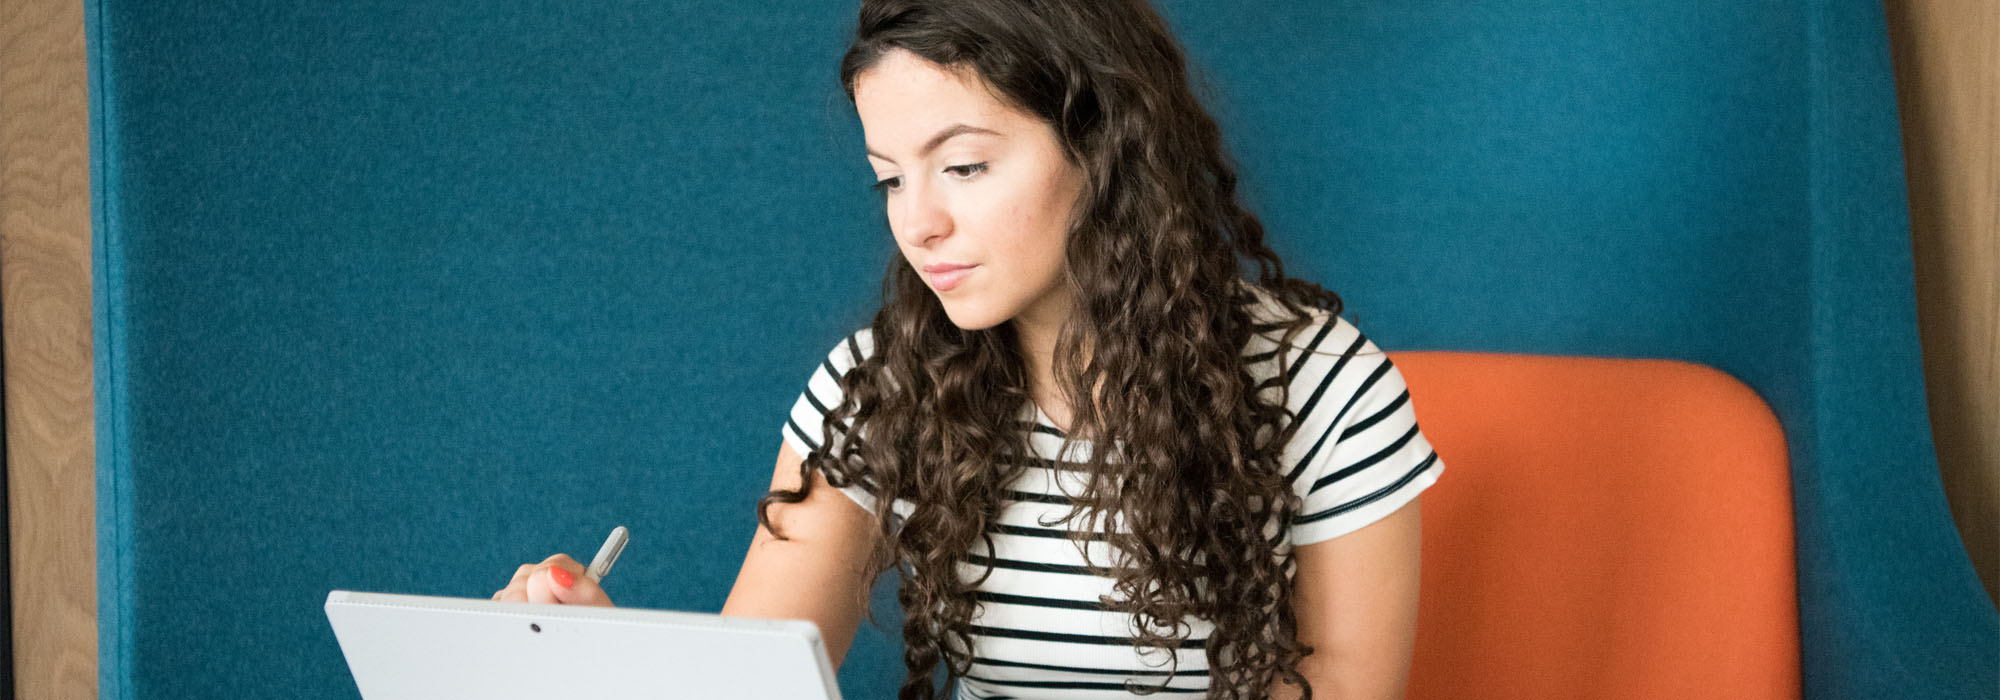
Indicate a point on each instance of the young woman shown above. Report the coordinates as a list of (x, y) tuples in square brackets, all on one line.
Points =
[(1112, 463)]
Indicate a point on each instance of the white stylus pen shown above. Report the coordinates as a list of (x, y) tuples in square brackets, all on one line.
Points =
[(600, 566)]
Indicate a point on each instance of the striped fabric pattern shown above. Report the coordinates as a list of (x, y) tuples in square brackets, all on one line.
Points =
[(1040, 630)]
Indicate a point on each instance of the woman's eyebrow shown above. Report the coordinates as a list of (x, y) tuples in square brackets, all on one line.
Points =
[(940, 137)]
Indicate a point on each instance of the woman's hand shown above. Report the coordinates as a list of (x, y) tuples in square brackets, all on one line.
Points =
[(558, 579)]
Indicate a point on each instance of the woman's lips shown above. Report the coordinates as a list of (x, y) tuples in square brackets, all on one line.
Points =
[(945, 280)]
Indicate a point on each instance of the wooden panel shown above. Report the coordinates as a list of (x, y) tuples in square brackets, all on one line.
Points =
[(45, 289), (1947, 55)]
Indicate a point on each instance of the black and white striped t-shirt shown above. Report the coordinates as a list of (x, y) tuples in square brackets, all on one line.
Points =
[(1040, 630)]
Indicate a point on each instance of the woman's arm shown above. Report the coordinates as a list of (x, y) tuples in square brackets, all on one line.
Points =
[(819, 572), (1356, 601)]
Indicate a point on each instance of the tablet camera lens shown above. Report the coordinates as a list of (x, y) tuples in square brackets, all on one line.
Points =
[(534, 627)]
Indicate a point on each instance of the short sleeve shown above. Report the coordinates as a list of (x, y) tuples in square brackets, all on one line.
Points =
[(804, 428), (1358, 454)]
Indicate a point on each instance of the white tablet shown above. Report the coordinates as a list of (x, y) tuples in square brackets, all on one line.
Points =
[(405, 647)]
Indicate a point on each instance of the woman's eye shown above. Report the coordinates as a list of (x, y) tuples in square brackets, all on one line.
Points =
[(892, 184)]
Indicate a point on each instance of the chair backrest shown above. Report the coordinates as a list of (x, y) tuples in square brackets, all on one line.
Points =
[(1611, 529)]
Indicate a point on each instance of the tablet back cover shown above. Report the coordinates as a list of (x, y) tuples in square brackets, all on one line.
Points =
[(402, 647)]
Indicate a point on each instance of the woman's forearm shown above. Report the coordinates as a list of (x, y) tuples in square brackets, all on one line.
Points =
[(1332, 680)]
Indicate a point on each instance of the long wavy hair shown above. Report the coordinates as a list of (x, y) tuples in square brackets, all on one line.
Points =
[(1151, 357)]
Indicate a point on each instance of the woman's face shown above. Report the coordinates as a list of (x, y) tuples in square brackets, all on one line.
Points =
[(970, 181)]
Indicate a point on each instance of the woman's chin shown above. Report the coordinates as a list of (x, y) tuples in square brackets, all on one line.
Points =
[(971, 318)]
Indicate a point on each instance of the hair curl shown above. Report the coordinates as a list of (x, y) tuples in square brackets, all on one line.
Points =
[(1158, 331)]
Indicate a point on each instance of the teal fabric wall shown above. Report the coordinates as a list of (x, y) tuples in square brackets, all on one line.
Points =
[(395, 297)]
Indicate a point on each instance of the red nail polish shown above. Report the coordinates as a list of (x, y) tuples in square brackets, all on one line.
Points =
[(561, 576)]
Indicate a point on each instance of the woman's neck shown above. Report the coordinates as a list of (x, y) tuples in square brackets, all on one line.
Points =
[(1037, 329)]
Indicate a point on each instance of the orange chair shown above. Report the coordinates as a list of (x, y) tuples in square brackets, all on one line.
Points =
[(1608, 529)]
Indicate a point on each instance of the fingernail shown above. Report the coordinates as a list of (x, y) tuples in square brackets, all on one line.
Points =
[(561, 576)]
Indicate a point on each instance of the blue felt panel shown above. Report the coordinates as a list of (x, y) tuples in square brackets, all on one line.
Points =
[(397, 296)]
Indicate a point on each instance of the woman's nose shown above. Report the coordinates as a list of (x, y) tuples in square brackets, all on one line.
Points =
[(925, 218)]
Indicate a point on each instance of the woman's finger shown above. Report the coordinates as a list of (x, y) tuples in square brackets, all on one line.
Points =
[(557, 580), (540, 585), (517, 588), (572, 587)]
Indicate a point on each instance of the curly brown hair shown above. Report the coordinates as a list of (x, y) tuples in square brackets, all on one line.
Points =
[(1158, 331)]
